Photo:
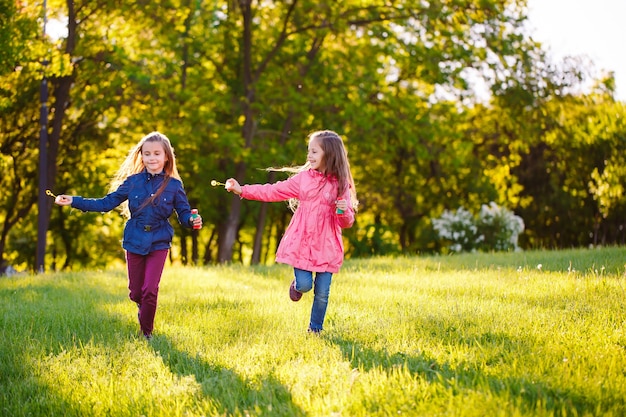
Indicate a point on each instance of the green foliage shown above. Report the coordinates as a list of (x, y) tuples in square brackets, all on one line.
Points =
[(17, 27), (371, 240), (237, 86), (509, 334), (580, 138)]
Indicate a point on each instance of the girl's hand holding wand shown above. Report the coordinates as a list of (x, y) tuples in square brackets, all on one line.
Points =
[(63, 200), (233, 186)]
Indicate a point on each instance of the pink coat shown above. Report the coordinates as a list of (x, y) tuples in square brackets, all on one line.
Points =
[(312, 241)]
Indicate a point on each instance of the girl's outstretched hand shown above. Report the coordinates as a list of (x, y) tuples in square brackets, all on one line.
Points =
[(233, 186), (63, 200)]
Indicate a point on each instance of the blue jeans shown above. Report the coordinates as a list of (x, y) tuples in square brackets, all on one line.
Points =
[(304, 283)]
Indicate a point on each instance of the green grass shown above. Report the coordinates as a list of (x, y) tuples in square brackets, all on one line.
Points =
[(466, 335)]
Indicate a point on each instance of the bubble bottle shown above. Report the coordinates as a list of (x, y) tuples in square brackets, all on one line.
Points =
[(195, 215)]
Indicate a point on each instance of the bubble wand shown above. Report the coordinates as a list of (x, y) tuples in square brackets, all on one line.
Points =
[(48, 192), (216, 183)]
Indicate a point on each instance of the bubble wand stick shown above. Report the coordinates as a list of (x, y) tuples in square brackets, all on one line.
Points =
[(216, 183)]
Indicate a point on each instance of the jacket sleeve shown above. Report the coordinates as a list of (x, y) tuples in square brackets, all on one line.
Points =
[(279, 191), (182, 207), (104, 204)]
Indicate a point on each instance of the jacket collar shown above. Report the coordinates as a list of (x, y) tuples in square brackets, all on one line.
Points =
[(150, 176), (316, 173)]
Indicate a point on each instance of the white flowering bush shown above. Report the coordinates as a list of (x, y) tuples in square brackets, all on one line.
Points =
[(459, 228), (494, 228), (499, 227)]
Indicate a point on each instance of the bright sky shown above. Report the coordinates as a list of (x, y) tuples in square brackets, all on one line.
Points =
[(593, 28)]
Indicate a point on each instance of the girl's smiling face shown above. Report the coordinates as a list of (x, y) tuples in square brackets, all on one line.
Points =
[(315, 156), (153, 157)]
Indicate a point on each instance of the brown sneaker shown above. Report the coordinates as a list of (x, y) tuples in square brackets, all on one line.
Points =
[(294, 294)]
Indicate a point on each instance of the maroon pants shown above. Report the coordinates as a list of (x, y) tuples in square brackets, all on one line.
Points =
[(144, 276)]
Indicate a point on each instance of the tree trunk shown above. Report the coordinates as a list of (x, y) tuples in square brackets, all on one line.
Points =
[(61, 93), (230, 229)]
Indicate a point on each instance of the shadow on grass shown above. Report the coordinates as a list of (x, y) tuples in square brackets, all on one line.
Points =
[(41, 320), (532, 395), (47, 319), (232, 394)]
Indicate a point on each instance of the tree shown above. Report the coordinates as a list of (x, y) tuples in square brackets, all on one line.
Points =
[(237, 86)]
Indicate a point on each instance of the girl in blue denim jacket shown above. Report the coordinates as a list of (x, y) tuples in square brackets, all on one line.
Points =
[(149, 189)]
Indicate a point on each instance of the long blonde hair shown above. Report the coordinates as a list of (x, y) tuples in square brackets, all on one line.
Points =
[(133, 164), (336, 161)]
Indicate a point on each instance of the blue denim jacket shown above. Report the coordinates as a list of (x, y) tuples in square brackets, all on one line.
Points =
[(148, 228)]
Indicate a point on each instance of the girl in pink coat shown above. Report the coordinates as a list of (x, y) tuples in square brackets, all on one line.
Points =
[(323, 198)]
